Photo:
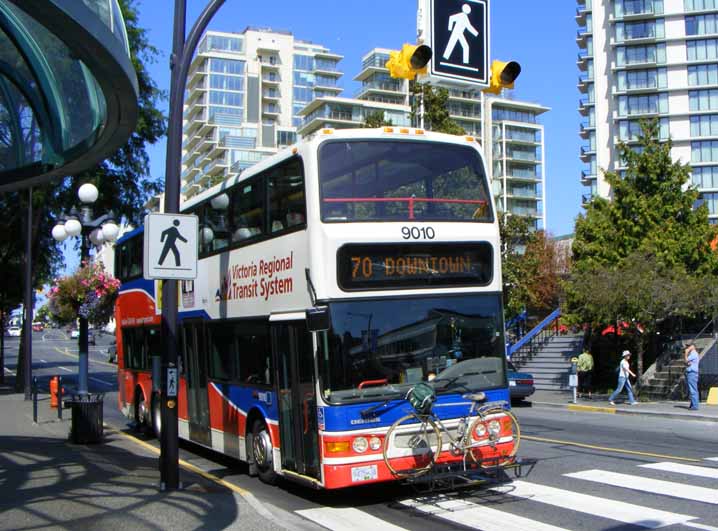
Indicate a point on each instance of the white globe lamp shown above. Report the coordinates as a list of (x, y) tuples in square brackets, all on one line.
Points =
[(59, 232), (73, 227), (110, 230), (88, 193), (221, 202), (207, 235)]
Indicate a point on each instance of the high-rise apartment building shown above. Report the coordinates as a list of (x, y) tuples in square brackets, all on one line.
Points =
[(649, 59), (509, 128), (244, 94)]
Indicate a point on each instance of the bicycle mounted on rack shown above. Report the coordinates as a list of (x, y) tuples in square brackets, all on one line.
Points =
[(487, 439)]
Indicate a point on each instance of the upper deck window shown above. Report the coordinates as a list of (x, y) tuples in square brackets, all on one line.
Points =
[(390, 180)]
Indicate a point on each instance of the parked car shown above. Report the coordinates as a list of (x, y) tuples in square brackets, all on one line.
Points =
[(14, 331), (112, 352), (74, 334), (521, 384), (38, 327)]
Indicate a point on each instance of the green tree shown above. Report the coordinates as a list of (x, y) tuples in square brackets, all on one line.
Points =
[(123, 181), (376, 119), (516, 235), (436, 109), (641, 256)]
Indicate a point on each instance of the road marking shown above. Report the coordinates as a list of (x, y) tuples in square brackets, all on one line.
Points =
[(597, 409), (704, 527), (470, 514), (602, 507), (75, 356), (690, 470), (711, 458), (66, 369), (654, 486), (98, 380), (608, 448), (346, 519)]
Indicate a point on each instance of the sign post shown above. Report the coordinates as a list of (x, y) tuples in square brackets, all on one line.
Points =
[(458, 33)]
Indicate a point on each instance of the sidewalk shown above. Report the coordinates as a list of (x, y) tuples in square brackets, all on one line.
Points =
[(599, 404), (49, 483)]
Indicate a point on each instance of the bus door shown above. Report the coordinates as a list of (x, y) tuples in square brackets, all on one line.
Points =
[(196, 370), (296, 391)]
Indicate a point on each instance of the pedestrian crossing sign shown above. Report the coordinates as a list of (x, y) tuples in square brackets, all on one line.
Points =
[(170, 246)]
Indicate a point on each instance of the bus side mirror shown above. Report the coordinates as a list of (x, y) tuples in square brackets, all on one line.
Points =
[(318, 319)]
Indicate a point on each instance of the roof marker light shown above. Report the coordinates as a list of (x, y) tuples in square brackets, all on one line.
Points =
[(404, 131), (388, 129), (327, 131)]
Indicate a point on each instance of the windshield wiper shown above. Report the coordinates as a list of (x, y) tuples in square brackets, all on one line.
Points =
[(451, 381), (370, 410)]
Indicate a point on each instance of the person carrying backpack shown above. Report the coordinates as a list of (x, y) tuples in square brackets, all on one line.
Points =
[(624, 374)]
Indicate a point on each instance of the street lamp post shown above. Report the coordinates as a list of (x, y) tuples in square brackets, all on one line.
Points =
[(95, 231)]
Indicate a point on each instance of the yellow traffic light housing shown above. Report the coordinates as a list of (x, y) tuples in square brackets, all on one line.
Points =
[(503, 75), (409, 61)]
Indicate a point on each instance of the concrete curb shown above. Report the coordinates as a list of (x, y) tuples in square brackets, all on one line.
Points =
[(636, 410)]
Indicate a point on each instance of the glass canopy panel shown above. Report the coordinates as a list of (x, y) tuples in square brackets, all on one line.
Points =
[(53, 110)]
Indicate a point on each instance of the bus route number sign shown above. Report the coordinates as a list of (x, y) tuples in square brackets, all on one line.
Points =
[(414, 265)]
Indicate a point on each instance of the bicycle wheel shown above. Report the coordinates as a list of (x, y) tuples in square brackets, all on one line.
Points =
[(494, 438), (411, 446)]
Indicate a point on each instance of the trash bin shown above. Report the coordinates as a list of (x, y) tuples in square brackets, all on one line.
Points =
[(86, 427)]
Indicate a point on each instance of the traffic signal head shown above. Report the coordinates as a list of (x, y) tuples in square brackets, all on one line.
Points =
[(503, 75), (409, 62)]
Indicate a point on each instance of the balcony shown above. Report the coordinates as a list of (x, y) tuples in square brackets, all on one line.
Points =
[(642, 12), (582, 34), (326, 68), (373, 64), (586, 198), (587, 152), (585, 129), (272, 78), (271, 95), (581, 12), (393, 89), (587, 177), (271, 110), (583, 106)]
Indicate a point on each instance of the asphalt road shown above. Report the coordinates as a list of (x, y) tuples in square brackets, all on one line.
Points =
[(594, 471)]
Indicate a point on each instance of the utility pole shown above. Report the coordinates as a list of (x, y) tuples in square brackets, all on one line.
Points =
[(182, 51)]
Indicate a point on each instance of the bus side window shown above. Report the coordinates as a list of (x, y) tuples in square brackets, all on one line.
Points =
[(247, 210), (254, 352), (287, 207)]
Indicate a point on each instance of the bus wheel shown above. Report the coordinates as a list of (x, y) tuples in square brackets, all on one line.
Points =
[(262, 453), (141, 413), (156, 416)]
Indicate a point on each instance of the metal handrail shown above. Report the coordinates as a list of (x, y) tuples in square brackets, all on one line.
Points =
[(528, 345)]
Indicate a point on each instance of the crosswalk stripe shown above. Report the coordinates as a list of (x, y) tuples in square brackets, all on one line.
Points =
[(346, 519), (711, 458), (702, 527), (654, 486), (585, 503), (469, 514), (690, 470)]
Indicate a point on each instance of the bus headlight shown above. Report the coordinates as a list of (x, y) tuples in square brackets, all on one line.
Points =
[(494, 427), (375, 443), (480, 430), (360, 444)]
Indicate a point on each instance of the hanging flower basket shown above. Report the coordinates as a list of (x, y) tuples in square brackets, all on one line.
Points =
[(90, 292)]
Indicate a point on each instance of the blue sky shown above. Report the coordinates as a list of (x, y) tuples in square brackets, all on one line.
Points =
[(539, 35)]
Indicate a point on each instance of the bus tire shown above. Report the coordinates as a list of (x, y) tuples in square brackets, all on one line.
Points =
[(262, 453), (156, 416), (141, 413)]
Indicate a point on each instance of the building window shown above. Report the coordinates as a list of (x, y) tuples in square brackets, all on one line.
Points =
[(633, 55), (224, 44), (226, 66), (703, 75), (499, 114), (643, 104), (705, 177), (703, 100), (704, 125), (702, 25), (631, 129), (640, 30), (711, 201), (622, 8), (699, 5), (702, 49), (642, 79), (704, 151)]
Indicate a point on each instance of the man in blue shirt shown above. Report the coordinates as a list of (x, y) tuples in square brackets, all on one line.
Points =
[(692, 359)]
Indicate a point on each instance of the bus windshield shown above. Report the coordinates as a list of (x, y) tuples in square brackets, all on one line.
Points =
[(377, 349), (390, 180)]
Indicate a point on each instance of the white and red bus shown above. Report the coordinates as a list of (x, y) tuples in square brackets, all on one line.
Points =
[(332, 278)]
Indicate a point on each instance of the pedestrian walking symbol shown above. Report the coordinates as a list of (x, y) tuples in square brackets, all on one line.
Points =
[(169, 237), (171, 382), (458, 31), (170, 246), (459, 24)]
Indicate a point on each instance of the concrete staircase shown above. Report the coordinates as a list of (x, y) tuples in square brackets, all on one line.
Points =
[(551, 363)]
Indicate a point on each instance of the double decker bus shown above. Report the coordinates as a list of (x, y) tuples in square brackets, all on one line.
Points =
[(333, 278)]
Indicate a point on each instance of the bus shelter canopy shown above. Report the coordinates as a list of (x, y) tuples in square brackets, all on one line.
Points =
[(68, 90)]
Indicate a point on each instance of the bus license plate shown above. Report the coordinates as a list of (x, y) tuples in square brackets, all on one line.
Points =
[(364, 473)]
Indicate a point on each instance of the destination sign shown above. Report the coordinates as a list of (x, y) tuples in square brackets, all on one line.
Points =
[(414, 265)]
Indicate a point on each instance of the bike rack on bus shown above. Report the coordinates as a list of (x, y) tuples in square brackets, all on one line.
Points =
[(456, 476)]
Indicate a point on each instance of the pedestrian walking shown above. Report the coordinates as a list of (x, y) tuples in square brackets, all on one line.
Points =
[(585, 374), (690, 355), (624, 375)]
